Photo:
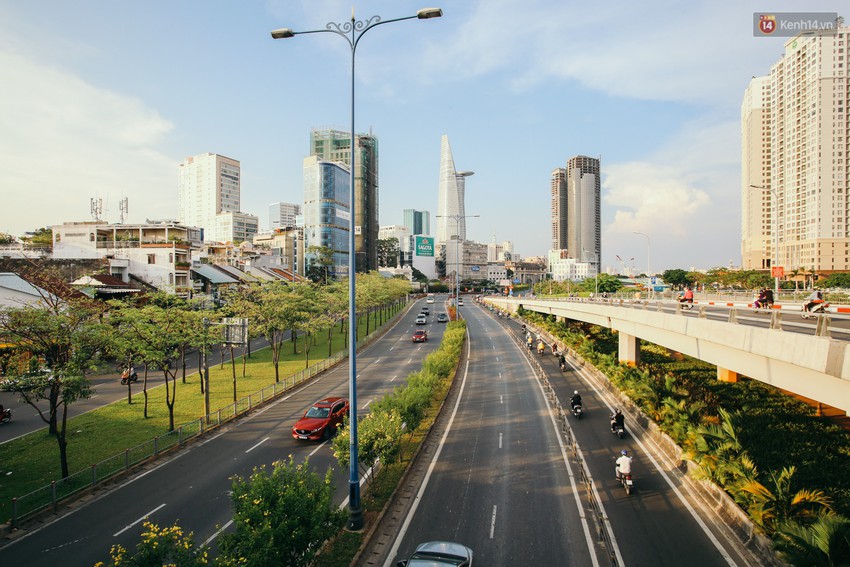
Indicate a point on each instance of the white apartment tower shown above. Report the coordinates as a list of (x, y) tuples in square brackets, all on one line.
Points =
[(450, 197), (756, 212), (804, 165), (209, 184)]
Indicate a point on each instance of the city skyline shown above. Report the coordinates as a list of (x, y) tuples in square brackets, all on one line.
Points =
[(101, 109)]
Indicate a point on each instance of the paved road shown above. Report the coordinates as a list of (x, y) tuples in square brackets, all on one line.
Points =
[(193, 486), (502, 484)]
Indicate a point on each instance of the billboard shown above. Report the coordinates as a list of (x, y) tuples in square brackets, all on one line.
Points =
[(425, 246)]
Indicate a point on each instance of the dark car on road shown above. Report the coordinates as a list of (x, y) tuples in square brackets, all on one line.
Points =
[(436, 553), (321, 420)]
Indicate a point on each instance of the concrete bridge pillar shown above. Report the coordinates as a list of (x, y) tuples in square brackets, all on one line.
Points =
[(726, 375), (629, 351)]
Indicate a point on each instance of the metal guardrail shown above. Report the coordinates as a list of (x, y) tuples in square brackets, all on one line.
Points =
[(48, 497)]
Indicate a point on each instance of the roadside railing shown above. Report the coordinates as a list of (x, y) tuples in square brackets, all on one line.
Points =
[(48, 498)]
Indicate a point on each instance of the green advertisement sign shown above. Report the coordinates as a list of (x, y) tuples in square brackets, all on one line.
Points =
[(424, 246)]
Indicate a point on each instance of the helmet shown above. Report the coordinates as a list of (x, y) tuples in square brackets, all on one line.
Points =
[(624, 452), (617, 411), (575, 393)]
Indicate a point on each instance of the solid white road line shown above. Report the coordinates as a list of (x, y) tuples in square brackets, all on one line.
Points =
[(257, 445), (493, 522), (145, 517), (216, 534)]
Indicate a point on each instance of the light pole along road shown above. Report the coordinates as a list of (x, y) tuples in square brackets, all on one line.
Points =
[(503, 483), (193, 486), (352, 32)]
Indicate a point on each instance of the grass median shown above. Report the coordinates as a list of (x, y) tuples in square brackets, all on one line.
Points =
[(32, 461)]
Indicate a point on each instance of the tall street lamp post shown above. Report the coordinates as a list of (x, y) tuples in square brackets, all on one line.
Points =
[(457, 253), (774, 222), (648, 262), (352, 32)]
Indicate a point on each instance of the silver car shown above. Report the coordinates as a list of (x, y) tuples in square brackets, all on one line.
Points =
[(437, 553)]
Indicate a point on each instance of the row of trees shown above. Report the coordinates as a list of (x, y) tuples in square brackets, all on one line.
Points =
[(284, 516), (55, 344)]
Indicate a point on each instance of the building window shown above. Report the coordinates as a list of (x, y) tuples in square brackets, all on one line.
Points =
[(151, 258)]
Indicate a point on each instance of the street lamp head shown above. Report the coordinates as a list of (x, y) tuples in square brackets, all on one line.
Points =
[(282, 33), (428, 13)]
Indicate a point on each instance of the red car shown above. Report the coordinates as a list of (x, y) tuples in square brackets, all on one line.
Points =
[(321, 420), (420, 336)]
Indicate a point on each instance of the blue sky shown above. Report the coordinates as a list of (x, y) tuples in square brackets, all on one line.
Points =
[(105, 99)]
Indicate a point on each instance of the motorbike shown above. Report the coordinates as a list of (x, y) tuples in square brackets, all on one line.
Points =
[(129, 376), (577, 411), (817, 309), (540, 348), (5, 415), (563, 365), (627, 482), (617, 429), (686, 303)]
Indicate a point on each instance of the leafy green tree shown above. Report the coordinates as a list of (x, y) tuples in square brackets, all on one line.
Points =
[(676, 277), (160, 546), (838, 279), (322, 264), (41, 236), (56, 342), (280, 518), (826, 541), (779, 502), (388, 252)]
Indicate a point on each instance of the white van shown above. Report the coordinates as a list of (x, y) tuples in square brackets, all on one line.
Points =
[(430, 298)]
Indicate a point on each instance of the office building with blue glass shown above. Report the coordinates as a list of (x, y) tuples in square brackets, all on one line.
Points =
[(327, 212)]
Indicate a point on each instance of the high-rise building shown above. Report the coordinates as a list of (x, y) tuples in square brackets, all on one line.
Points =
[(335, 146), (326, 211), (804, 162), (450, 197), (282, 215), (419, 222), (208, 184), (236, 227), (584, 186), (756, 213), (559, 208)]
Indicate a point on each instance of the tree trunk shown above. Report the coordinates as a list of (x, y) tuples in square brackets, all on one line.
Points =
[(201, 367), (233, 366), (183, 361), (145, 391), (63, 443)]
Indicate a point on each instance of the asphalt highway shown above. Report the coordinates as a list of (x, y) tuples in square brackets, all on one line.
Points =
[(193, 486), (503, 484)]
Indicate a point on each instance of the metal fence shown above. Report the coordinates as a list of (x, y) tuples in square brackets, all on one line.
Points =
[(47, 498)]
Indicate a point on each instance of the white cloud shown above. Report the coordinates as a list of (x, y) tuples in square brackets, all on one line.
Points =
[(63, 141)]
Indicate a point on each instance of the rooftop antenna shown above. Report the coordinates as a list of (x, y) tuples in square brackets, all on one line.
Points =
[(96, 208), (124, 207)]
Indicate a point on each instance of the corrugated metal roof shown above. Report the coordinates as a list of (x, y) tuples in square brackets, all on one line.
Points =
[(214, 276), (15, 282), (236, 272)]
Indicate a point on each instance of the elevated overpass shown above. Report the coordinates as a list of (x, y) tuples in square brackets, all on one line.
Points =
[(815, 367)]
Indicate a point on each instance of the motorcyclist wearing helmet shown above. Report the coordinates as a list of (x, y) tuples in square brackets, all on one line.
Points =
[(624, 464), (575, 399), (618, 420)]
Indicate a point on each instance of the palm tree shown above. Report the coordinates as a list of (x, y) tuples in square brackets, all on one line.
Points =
[(719, 450), (826, 541), (772, 506)]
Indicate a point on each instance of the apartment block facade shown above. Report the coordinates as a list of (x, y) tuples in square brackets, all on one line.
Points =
[(803, 206), (208, 184)]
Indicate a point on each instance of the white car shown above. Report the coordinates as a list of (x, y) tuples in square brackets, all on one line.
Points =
[(435, 553), (460, 301), (421, 319)]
